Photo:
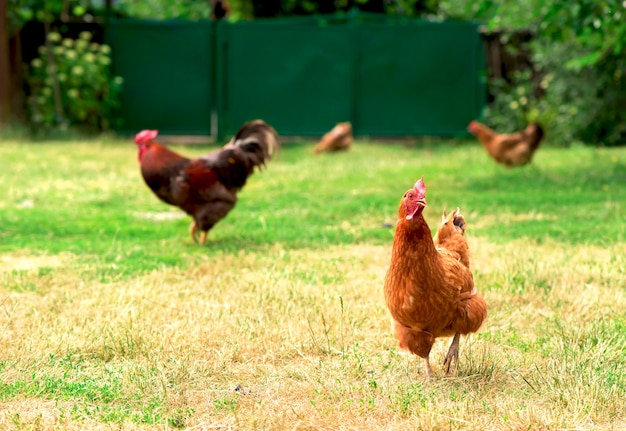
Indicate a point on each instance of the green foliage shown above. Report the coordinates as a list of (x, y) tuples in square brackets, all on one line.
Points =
[(402, 7), (581, 103), (514, 105), (580, 46), (562, 102), (160, 10), (21, 11), (247, 9), (71, 84)]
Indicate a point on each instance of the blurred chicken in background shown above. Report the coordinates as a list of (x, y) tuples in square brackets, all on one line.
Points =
[(339, 138), (509, 149)]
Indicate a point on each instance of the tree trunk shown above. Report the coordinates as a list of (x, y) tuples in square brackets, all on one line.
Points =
[(56, 90), (5, 67)]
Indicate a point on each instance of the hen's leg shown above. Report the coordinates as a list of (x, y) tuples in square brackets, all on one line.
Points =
[(453, 353), (429, 370), (203, 236)]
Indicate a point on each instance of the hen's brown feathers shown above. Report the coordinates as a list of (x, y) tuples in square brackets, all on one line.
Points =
[(450, 236), (509, 149), (339, 138), (429, 288)]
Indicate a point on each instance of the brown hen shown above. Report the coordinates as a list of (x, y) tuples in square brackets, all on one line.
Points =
[(339, 138), (429, 287), (509, 149)]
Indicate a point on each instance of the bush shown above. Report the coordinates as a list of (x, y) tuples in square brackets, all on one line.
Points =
[(574, 105), (71, 84), (580, 47)]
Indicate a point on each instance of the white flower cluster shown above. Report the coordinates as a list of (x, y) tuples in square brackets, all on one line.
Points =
[(80, 68)]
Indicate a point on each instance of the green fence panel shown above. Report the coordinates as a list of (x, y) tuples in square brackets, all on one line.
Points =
[(167, 68), (420, 79), (389, 76), (297, 78)]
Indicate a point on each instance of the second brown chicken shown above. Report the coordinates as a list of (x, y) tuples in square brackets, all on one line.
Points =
[(509, 149), (339, 138)]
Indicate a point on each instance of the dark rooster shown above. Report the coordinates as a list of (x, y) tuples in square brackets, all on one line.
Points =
[(206, 187)]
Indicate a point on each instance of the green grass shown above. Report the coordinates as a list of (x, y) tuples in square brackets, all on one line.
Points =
[(111, 317)]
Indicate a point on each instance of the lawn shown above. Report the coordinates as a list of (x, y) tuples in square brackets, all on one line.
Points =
[(112, 318)]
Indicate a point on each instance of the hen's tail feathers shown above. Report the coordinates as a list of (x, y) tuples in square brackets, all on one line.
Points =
[(417, 342), (446, 229), (458, 221), (471, 312), (476, 314), (537, 135), (451, 236), (258, 139)]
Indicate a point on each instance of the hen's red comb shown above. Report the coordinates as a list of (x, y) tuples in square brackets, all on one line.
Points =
[(145, 135), (420, 187)]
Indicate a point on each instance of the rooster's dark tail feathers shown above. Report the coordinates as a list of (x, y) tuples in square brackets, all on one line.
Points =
[(257, 138), (253, 145)]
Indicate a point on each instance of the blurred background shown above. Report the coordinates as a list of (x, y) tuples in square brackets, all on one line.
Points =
[(391, 68)]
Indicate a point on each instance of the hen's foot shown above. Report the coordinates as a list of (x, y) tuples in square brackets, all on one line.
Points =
[(429, 370), (453, 353)]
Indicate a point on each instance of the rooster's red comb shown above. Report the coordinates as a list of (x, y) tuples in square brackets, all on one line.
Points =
[(145, 135), (420, 187)]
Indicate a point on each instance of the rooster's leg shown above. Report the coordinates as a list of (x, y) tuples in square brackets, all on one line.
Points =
[(453, 353), (193, 230), (429, 370)]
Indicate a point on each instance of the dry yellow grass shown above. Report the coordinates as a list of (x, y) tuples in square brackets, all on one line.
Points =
[(301, 340)]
